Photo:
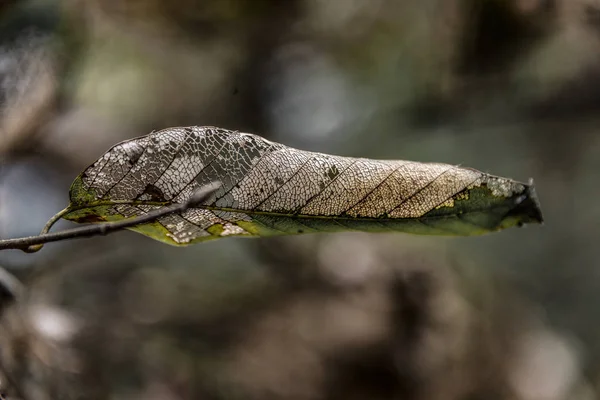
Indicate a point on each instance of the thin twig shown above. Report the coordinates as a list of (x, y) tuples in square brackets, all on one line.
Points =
[(33, 243)]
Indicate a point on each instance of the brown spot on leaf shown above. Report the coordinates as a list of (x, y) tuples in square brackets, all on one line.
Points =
[(155, 193)]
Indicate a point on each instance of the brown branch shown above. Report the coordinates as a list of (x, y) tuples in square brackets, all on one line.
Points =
[(32, 244)]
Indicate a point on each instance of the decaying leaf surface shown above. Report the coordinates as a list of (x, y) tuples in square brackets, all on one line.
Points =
[(270, 189)]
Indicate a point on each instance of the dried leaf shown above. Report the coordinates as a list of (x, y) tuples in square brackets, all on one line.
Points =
[(271, 189)]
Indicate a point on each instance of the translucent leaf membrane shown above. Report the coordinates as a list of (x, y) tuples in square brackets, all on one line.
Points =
[(269, 189)]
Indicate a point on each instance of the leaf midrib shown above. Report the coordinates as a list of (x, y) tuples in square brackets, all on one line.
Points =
[(285, 215)]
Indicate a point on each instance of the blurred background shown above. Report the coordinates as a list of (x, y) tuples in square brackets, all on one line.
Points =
[(510, 87)]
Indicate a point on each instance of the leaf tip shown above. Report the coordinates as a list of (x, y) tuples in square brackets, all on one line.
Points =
[(527, 206)]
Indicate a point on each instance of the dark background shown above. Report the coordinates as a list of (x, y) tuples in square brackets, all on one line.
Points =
[(511, 87)]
